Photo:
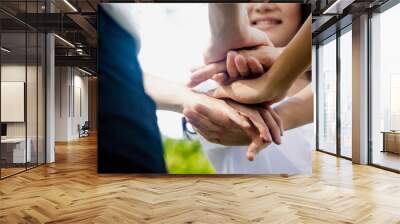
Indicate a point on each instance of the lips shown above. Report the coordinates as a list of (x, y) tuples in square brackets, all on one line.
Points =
[(266, 23)]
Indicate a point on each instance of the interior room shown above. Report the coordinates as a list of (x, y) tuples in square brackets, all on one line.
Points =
[(49, 122)]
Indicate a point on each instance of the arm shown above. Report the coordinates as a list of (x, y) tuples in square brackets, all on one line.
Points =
[(167, 95), (302, 103), (181, 99), (291, 113), (272, 86), (230, 29), (174, 97)]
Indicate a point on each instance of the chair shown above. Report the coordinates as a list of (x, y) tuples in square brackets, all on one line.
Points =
[(84, 130)]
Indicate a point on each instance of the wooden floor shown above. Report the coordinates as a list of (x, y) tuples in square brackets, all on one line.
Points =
[(70, 191), (387, 159)]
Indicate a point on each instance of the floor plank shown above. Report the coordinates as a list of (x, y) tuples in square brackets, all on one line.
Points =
[(70, 191)]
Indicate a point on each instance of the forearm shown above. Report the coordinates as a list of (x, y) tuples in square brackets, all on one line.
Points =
[(294, 60), (230, 29), (297, 110), (226, 18), (167, 95)]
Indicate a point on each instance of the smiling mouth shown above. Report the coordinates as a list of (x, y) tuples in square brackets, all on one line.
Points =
[(266, 24)]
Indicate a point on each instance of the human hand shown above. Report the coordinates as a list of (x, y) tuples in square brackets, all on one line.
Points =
[(223, 113), (241, 64), (212, 126), (225, 132), (194, 100), (273, 86), (231, 29), (259, 115), (226, 41)]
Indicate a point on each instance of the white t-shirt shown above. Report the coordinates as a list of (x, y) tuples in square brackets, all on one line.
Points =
[(293, 156)]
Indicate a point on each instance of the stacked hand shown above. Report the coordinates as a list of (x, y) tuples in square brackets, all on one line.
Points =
[(230, 123), (230, 29), (224, 128), (242, 64), (274, 84)]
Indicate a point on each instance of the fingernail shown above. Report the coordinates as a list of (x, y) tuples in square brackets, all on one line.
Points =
[(281, 131)]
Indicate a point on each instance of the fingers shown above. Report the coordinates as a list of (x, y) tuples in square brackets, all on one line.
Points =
[(235, 66), (274, 129), (206, 72), (257, 120), (236, 117), (200, 122), (277, 119), (241, 65), (248, 65), (231, 65), (255, 66), (221, 78), (222, 119), (256, 145), (254, 116)]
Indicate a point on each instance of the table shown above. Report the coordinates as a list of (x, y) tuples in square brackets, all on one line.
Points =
[(391, 141), (13, 150)]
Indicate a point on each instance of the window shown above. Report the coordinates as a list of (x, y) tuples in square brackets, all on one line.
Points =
[(327, 96), (385, 89), (346, 93), (22, 88)]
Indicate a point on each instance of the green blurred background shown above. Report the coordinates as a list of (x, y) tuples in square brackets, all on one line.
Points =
[(185, 157)]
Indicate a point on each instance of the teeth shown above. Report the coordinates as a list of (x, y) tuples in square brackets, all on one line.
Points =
[(267, 22)]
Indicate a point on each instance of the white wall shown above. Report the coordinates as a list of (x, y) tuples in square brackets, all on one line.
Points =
[(16, 73), (33, 126), (61, 103), (70, 83)]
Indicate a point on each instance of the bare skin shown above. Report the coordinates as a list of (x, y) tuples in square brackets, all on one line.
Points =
[(230, 25), (255, 132), (273, 85), (223, 122), (252, 63)]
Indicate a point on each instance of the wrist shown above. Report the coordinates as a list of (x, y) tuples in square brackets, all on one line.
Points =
[(225, 17), (284, 115), (276, 85), (229, 24), (285, 112), (187, 98)]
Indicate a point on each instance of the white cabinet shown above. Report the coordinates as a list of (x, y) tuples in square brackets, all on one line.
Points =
[(17, 145)]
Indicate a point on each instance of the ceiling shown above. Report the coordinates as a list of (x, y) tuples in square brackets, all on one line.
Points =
[(76, 22)]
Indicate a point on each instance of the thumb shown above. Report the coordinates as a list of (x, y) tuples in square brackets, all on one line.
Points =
[(206, 72), (220, 92)]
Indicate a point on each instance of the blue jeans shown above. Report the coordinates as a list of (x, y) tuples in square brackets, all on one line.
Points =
[(128, 136)]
